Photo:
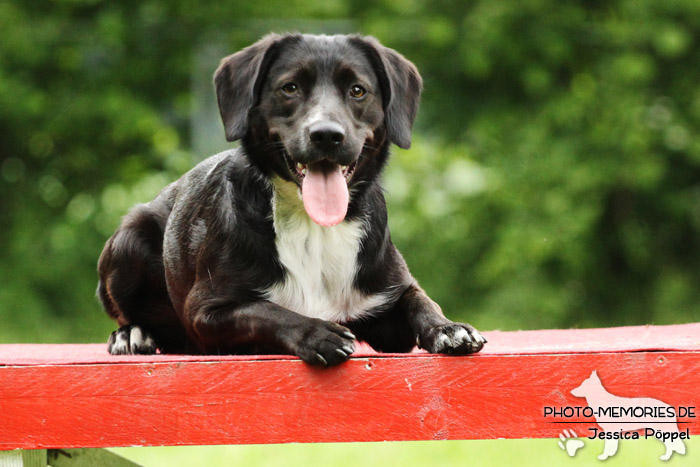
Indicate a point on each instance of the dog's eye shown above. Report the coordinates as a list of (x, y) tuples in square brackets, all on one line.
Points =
[(290, 88), (357, 91)]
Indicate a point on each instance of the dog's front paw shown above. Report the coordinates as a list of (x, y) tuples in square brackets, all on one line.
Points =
[(131, 340), (452, 338), (323, 343)]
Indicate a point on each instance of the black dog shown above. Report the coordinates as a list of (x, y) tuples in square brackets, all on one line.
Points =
[(282, 245)]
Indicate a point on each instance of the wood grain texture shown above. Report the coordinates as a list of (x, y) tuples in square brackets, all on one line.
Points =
[(282, 400)]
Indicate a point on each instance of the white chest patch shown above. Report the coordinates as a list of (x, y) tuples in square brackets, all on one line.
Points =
[(320, 262)]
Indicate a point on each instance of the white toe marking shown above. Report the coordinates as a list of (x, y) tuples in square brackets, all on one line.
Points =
[(140, 339), (136, 335), (136, 338), (149, 342), (478, 336), (461, 335), (443, 341), (120, 343)]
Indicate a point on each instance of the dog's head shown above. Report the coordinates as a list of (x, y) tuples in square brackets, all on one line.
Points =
[(319, 111)]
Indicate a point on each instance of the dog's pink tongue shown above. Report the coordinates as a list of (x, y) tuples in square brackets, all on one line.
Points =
[(325, 195)]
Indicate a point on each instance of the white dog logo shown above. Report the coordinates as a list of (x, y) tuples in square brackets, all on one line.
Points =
[(616, 415)]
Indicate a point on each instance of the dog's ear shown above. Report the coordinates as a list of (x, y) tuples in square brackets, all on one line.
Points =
[(400, 84), (238, 80)]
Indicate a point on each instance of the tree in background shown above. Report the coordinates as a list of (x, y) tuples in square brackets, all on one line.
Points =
[(554, 179)]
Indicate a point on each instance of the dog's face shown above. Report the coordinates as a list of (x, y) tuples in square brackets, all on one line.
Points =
[(322, 101), (319, 111)]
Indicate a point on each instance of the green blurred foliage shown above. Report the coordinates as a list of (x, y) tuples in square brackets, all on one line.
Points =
[(554, 179)]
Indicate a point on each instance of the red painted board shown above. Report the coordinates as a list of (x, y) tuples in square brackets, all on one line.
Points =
[(286, 401), (685, 337), (374, 398)]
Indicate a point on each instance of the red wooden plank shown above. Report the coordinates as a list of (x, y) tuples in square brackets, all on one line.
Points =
[(621, 339), (279, 400)]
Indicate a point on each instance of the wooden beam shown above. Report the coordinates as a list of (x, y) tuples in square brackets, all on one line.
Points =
[(77, 396)]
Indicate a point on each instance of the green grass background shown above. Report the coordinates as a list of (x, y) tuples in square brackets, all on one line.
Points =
[(520, 452)]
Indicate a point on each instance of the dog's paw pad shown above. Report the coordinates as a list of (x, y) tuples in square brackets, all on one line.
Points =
[(453, 338), (131, 340), (569, 443)]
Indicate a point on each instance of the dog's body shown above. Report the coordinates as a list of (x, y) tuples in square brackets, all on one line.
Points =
[(272, 246)]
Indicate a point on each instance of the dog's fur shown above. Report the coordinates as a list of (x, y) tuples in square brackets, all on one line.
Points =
[(227, 260)]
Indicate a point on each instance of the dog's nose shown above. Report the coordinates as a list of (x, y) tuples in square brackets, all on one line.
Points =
[(326, 136)]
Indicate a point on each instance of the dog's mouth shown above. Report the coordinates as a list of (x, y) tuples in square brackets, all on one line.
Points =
[(299, 170), (324, 188)]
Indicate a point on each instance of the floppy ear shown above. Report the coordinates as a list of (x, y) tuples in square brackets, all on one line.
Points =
[(400, 84), (238, 80)]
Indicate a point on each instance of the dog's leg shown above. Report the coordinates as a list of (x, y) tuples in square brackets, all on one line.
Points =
[(132, 286), (223, 327), (416, 319), (432, 330)]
